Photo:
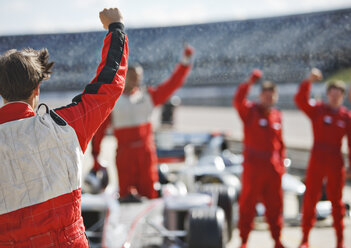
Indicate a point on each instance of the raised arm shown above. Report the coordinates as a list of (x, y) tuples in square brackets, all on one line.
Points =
[(164, 91), (302, 96), (348, 134), (240, 101), (89, 109), (282, 147)]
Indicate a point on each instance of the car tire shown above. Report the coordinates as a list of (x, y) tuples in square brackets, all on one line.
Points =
[(206, 228), (225, 199)]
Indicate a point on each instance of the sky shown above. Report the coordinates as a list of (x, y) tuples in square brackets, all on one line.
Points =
[(48, 16)]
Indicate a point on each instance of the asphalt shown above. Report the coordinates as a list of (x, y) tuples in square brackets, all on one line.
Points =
[(298, 138)]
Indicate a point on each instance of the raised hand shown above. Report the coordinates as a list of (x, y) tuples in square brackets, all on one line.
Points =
[(108, 16), (315, 75), (256, 75)]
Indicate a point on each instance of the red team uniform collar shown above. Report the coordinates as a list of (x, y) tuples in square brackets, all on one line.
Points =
[(15, 110)]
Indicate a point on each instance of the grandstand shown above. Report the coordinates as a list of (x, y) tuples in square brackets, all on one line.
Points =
[(285, 48)]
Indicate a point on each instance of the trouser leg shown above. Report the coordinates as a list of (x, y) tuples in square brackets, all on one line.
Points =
[(126, 169), (273, 201), (147, 173), (335, 184), (247, 203), (314, 180)]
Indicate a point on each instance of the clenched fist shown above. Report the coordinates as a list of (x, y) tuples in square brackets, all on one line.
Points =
[(315, 75), (256, 75), (188, 51), (108, 16), (187, 54)]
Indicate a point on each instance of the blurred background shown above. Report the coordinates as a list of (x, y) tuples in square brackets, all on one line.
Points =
[(285, 39)]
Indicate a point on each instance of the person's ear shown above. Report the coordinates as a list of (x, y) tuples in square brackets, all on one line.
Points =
[(36, 91)]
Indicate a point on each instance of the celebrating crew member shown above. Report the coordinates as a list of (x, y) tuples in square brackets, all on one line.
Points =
[(40, 172), (330, 123), (264, 153), (136, 157)]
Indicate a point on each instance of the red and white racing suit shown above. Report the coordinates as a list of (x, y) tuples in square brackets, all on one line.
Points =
[(326, 160), (40, 172), (136, 157), (264, 152)]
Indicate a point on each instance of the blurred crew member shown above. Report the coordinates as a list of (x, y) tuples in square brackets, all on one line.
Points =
[(40, 172), (136, 157), (330, 123), (264, 153)]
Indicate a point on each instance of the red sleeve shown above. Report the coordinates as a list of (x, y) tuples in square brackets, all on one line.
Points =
[(240, 101), (282, 148), (348, 134), (302, 98), (163, 91), (89, 109)]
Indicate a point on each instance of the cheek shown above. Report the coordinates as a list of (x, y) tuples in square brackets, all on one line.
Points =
[(272, 97), (336, 97)]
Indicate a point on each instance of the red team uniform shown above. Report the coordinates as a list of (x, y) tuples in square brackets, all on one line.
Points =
[(326, 160), (136, 157), (40, 174), (263, 152)]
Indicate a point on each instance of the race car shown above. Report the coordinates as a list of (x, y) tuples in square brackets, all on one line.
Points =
[(217, 164), (174, 220), (179, 218)]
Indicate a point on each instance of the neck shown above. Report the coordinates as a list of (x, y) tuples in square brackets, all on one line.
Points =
[(30, 102), (129, 91), (265, 109), (334, 107)]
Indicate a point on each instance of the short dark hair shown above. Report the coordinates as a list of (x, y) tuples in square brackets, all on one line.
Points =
[(22, 71), (268, 85)]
